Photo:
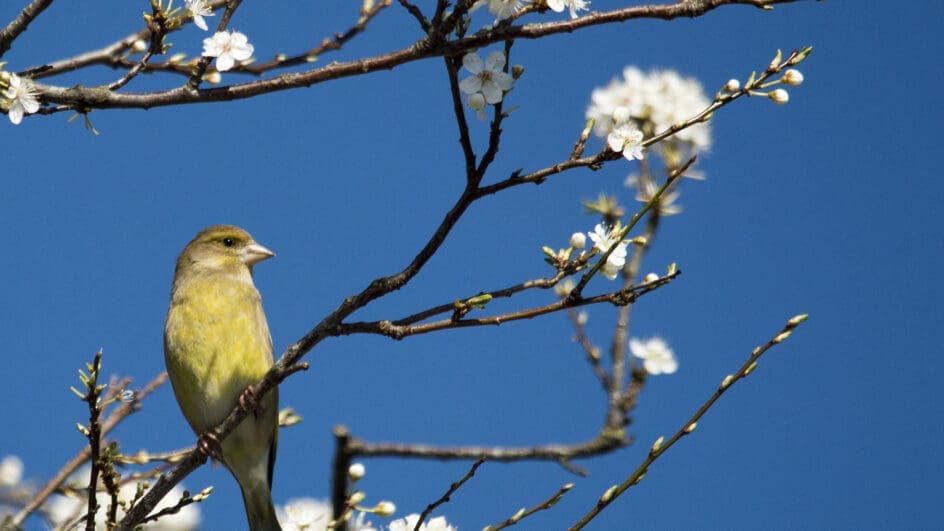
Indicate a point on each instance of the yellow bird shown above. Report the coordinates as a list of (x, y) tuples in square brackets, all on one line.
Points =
[(216, 344)]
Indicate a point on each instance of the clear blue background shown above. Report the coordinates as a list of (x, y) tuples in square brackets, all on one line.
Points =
[(830, 205)]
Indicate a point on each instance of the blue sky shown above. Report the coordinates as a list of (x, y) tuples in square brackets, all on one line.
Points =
[(829, 205)]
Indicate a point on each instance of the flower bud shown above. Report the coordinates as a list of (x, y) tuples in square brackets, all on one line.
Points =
[(582, 318), (213, 77), (477, 101), (138, 46), (779, 96), (792, 77), (651, 277), (356, 471), (578, 240), (732, 85), (385, 509), (517, 71), (11, 470)]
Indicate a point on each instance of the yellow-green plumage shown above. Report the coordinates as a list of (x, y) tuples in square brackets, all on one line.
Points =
[(216, 344)]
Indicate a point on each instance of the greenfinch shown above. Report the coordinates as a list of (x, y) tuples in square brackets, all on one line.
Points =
[(216, 345)]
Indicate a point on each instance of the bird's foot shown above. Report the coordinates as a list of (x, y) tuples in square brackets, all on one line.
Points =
[(209, 444), (248, 401)]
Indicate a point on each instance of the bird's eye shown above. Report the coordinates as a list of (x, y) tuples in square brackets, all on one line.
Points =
[(229, 242)]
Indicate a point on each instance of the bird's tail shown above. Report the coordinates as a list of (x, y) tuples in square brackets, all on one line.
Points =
[(259, 508)]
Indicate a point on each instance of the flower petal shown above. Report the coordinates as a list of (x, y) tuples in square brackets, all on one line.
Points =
[(471, 85), (472, 62), (495, 61)]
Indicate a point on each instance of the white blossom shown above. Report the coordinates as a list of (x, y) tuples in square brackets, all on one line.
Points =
[(626, 139), (655, 100), (21, 96), (655, 354), (409, 523), (358, 523), (605, 238), (564, 288), (489, 77), (306, 514), (62, 510), (502, 9), (227, 48), (615, 262), (648, 189), (11, 471), (199, 9), (574, 6)]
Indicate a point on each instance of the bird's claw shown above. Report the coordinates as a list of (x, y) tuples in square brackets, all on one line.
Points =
[(209, 445), (248, 401)]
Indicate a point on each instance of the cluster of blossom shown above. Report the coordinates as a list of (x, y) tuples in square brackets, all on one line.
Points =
[(63, 511), (505, 9), (653, 102), (488, 82), (655, 353), (309, 514), (228, 47)]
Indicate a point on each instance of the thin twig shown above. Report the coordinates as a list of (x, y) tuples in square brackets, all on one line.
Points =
[(619, 298), (445, 497), (524, 513)]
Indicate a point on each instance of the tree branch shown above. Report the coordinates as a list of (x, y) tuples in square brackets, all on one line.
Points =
[(99, 98), (20, 23)]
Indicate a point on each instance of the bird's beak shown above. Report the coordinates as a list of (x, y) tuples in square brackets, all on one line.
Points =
[(253, 253)]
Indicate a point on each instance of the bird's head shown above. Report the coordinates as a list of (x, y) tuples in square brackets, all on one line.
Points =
[(221, 249)]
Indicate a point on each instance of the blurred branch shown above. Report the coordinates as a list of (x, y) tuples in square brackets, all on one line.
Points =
[(339, 473), (591, 350), (661, 446), (561, 453)]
